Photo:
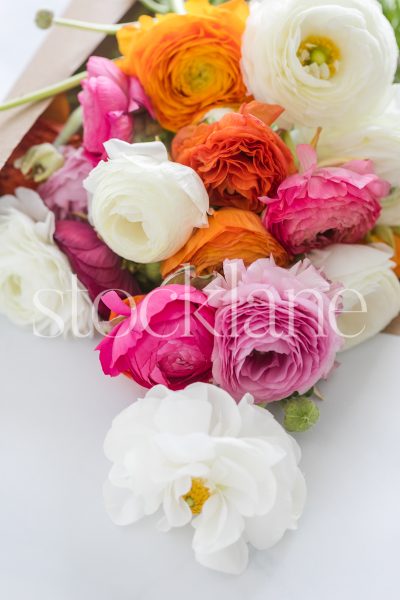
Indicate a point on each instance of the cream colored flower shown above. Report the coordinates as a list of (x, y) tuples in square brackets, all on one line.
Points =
[(37, 286), (390, 215), (143, 205), (373, 137), (371, 299), (196, 457), (325, 62)]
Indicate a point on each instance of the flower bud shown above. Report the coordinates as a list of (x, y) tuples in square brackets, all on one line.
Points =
[(40, 162), (44, 19), (300, 414)]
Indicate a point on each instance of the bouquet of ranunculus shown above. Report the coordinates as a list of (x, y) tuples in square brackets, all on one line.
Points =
[(222, 204)]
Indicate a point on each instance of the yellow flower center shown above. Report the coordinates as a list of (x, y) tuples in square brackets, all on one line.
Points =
[(199, 75), (197, 495), (319, 56)]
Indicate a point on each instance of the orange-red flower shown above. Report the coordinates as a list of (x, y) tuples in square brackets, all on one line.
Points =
[(232, 233), (239, 158), (187, 63)]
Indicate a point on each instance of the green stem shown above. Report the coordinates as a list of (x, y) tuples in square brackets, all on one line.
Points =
[(155, 6), (46, 92), (73, 125), (98, 27), (45, 19)]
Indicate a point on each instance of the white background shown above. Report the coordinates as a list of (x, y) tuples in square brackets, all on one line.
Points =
[(19, 36), (56, 542)]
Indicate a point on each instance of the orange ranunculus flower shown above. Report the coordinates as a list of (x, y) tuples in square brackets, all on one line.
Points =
[(232, 233), (239, 158), (187, 63)]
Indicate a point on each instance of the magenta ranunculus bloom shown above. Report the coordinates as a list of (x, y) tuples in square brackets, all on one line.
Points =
[(96, 266), (166, 339), (326, 205), (108, 98), (63, 192), (274, 332)]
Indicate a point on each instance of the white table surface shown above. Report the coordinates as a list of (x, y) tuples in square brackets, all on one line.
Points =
[(57, 543)]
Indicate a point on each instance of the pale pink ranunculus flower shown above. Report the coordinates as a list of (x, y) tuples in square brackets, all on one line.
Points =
[(324, 205), (275, 328), (108, 99), (63, 192)]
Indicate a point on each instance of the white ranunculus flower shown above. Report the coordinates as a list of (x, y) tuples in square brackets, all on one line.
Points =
[(390, 215), (197, 457), (365, 270), (325, 62), (142, 204), (37, 286), (374, 137)]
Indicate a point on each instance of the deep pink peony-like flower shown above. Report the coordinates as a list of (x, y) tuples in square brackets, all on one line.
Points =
[(63, 192), (275, 334), (326, 205), (96, 266), (166, 339), (108, 98)]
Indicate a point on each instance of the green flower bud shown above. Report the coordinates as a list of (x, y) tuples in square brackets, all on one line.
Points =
[(44, 19), (40, 162), (300, 414)]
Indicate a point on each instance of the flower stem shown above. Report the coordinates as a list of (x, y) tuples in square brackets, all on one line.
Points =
[(46, 92), (45, 19), (315, 140), (73, 124), (98, 27), (156, 7)]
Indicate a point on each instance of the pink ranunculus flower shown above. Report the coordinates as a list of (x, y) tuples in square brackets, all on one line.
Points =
[(96, 266), (166, 339), (108, 98), (324, 205), (63, 192), (274, 329)]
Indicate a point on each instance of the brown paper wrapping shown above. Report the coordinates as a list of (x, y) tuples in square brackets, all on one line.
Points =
[(61, 53)]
